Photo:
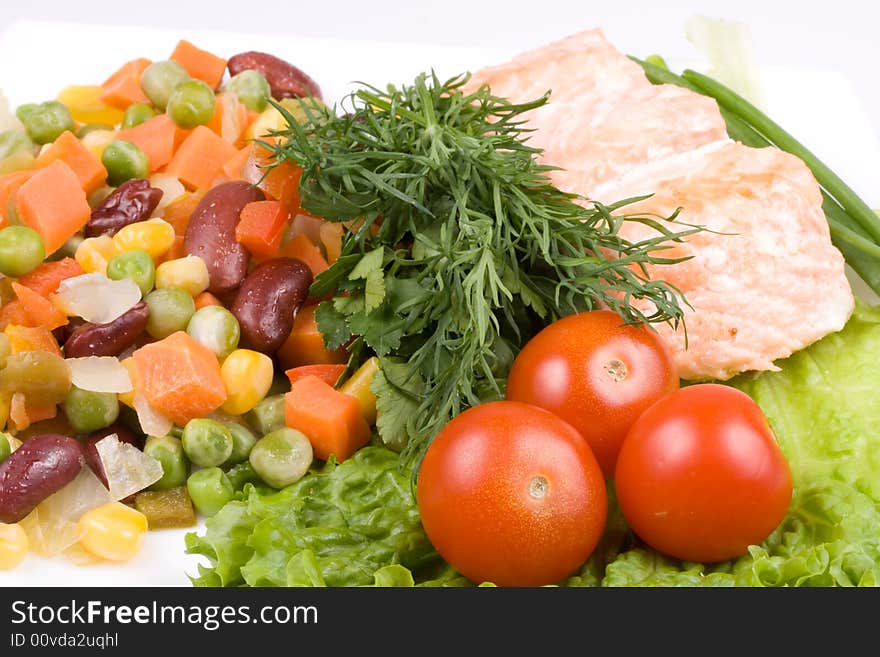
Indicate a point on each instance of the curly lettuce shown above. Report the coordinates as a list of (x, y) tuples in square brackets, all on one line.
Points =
[(350, 524)]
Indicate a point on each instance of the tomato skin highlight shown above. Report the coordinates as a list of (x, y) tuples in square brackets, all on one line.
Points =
[(511, 494), (700, 476), (595, 372)]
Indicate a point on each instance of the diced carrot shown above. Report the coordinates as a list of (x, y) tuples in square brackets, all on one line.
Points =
[(331, 238), (229, 119), (10, 183), (331, 420), (13, 314), (46, 278), (327, 373), (70, 150), (23, 414), (235, 166), (261, 228), (200, 64), (158, 137), (302, 248), (200, 158), (124, 87), (305, 344), (180, 378), (178, 212), (39, 310), (53, 203), (206, 299), (282, 184), (31, 338)]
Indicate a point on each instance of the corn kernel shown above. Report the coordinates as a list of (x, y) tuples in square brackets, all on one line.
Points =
[(247, 376), (155, 236), (189, 273), (96, 141), (94, 253), (127, 398), (86, 106), (13, 546), (113, 531)]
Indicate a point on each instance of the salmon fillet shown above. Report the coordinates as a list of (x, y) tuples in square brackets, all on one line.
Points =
[(767, 281)]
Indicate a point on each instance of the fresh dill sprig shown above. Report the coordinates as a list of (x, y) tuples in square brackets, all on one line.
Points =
[(458, 248)]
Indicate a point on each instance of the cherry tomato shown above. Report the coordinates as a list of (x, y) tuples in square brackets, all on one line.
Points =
[(700, 476), (595, 372), (511, 494)]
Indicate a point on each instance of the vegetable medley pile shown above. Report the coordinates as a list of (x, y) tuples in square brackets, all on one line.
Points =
[(377, 347)]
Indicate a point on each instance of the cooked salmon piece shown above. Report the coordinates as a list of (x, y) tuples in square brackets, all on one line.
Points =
[(764, 280), (604, 116)]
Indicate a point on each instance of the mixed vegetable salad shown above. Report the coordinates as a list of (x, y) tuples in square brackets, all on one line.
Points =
[(373, 345)]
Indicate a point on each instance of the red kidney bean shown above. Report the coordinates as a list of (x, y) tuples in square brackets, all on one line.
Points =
[(134, 200), (91, 451), (267, 302), (210, 233), (285, 79), (41, 466), (108, 339)]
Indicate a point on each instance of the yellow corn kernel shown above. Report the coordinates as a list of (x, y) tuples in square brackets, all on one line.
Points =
[(358, 386), (113, 531), (247, 376), (127, 398), (96, 141), (13, 546), (86, 106), (155, 236), (189, 273), (94, 253)]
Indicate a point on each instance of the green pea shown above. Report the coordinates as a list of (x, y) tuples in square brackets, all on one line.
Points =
[(88, 411), (243, 441), (136, 265), (206, 442), (124, 161), (241, 474), (209, 489), (21, 250), (175, 466), (267, 415), (216, 328), (5, 447), (92, 127), (137, 113), (44, 122), (282, 457), (14, 141), (251, 88), (170, 311), (191, 104), (159, 79)]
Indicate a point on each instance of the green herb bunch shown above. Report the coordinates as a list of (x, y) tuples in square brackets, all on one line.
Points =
[(458, 248)]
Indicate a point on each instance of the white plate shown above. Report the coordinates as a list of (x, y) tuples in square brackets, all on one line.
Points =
[(819, 107)]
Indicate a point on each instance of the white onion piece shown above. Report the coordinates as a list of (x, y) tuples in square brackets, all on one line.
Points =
[(128, 469), (52, 526), (99, 374), (171, 188), (152, 422), (96, 298)]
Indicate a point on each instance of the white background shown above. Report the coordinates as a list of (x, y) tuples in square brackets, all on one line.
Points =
[(841, 35)]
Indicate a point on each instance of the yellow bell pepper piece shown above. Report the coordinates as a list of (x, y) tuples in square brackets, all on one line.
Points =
[(85, 105)]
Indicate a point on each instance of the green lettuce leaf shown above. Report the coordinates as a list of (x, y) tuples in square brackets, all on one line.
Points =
[(345, 525), (823, 406)]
